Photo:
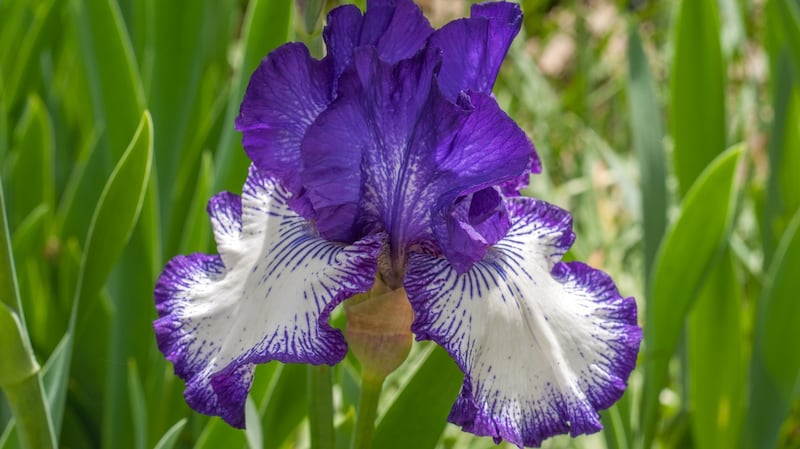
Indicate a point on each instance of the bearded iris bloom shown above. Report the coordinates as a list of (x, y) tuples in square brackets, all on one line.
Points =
[(390, 158)]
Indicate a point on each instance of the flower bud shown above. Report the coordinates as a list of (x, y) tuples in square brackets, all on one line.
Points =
[(378, 329)]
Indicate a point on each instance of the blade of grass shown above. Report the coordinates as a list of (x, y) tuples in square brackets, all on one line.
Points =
[(117, 95), (197, 228), (320, 416), (689, 249), (697, 96), (774, 376), (170, 438), (789, 13), (33, 171), (405, 424), (648, 135), (45, 14), (115, 214), (177, 74), (112, 223), (775, 210), (257, 40), (138, 406), (286, 405), (19, 372), (717, 401)]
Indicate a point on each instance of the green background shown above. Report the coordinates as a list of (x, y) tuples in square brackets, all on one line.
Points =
[(670, 130)]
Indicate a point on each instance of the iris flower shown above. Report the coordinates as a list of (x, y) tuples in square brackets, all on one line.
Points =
[(390, 158)]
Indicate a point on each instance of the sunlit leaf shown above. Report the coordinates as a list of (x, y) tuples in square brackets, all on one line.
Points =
[(32, 174), (715, 346), (691, 246), (407, 424), (697, 94), (774, 368), (171, 437), (648, 134), (117, 94), (116, 212)]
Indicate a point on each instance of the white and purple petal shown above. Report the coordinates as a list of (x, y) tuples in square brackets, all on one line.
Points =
[(268, 297), (543, 344)]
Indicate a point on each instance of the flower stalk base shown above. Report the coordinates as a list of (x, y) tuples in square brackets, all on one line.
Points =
[(378, 332)]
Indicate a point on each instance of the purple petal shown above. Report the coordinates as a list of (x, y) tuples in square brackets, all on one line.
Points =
[(285, 95), (543, 344), (416, 153), (269, 300), (396, 29), (362, 144), (475, 222), (473, 49)]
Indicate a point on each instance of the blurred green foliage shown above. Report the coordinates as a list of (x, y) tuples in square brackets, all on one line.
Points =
[(669, 129)]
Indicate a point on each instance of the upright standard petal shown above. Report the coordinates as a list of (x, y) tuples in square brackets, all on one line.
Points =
[(543, 344), (268, 297), (285, 95), (396, 29), (416, 152), (473, 49)]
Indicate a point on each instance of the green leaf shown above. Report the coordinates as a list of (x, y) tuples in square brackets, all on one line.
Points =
[(35, 429), (405, 424), (285, 405), (687, 253), (253, 431), (783, 186), (19, 371), (171, 437), (697, 94), (9, 289), (312, 12), (258, 40), (183, 40), (217, 434), (54, 376), (320, 407), (17, 361), (117, 96), (138, 406), (789, 13), (774, 370), (648, 135), (32, 174), (116, 213), (714, 346), (111, 226), (28, 48), (197, 228)]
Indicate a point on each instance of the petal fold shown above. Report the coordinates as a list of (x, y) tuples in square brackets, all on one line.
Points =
[(267, 298), (543, 344), (474, 48), (285, 95), (416, 152), (396, 29)]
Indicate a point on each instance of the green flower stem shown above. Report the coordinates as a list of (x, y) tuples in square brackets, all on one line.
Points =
[(371, 385), (320, 393), (27, 403)]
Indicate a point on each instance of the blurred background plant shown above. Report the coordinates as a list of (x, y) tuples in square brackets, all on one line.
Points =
[(670, 129)]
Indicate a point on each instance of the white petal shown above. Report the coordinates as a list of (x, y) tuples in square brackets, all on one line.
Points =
[(543, 344), (267, 298)]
